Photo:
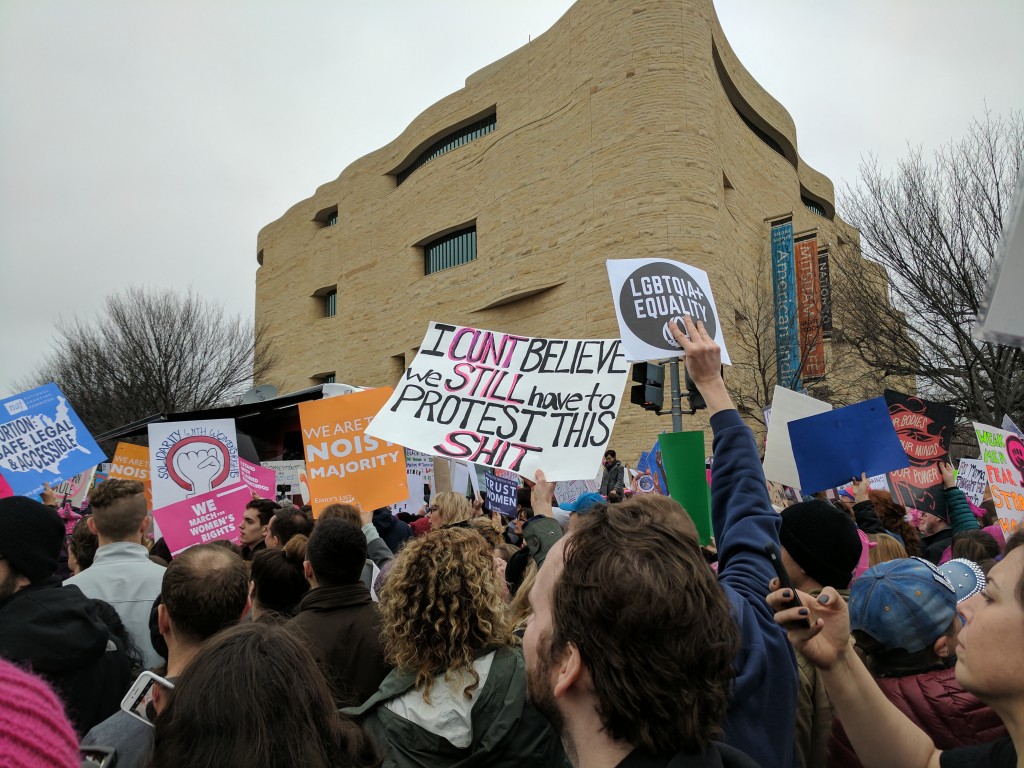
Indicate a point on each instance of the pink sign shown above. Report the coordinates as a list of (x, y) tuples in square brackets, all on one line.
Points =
[(5, 489), (213, 515), (260, 479)]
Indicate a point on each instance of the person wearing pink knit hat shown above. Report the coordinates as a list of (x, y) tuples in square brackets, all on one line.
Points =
[(34, 731)]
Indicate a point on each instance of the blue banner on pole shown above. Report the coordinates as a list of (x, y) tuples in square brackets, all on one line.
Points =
[(501, 494), (42, 440), (787, 330)]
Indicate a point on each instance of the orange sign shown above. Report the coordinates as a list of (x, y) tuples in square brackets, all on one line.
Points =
[(131, 462), (808, 302), (342, 463)]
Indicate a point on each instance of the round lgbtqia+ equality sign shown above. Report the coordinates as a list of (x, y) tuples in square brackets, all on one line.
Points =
[(655, 295)]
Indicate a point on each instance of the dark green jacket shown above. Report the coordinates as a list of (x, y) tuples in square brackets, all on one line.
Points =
[(507, 731)]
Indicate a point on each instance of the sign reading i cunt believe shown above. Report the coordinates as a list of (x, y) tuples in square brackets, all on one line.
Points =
[(509, 402)]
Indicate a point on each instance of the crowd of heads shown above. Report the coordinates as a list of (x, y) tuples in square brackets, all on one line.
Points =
[(605, 626)]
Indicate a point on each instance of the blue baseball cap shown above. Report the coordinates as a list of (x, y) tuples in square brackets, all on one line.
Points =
[(966, 577), (584, 503), (906, 603)]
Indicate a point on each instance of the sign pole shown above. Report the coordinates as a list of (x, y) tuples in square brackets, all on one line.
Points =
[(677, 410)]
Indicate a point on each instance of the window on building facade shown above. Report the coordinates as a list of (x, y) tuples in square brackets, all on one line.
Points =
[(447, 143), (331, 303), (329, 378), (813, 207), (328, 217), (450, 251)]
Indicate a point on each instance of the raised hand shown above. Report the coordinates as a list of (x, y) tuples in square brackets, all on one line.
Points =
[(199, 467)]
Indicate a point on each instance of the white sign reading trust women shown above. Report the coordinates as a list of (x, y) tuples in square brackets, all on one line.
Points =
[(651, 293)]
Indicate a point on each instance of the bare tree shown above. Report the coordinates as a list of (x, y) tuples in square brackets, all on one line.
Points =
[(752, 347), (153, 351), (934, 226)]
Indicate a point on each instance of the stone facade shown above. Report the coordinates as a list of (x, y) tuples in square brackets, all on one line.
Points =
[(627, 130)]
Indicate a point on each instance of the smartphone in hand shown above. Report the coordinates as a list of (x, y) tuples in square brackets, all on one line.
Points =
[(772, 553), (138, 702)]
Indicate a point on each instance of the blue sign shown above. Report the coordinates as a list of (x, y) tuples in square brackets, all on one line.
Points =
[(834, 447), (42, 440), (787, 328), (501, 494), (651, 464)]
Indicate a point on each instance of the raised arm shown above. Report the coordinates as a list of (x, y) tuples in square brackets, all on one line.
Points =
[(961, 518), (741, 511)]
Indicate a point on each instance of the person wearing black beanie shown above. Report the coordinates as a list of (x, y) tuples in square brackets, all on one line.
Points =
[(822, 545), (52, 629), (820, 548)]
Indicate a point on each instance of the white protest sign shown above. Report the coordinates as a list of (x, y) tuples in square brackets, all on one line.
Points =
[(972, 479), (507, 401), (569, 490), (191, 458), (460, 477), (75, 489), (291, 473), (787, 406), (1002, 453), (649, 294)]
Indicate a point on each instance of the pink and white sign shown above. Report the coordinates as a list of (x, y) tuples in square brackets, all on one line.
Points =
[(208, 517), (189, 458), (262, 480)]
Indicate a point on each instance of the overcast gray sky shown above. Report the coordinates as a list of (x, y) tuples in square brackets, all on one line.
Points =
[(147, 142)]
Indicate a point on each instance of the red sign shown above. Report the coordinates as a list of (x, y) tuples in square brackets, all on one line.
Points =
[(808, 308)]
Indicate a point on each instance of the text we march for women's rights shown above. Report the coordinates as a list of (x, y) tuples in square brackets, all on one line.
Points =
[(507, 401)]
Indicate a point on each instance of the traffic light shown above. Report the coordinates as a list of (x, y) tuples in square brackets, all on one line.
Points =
[(696, 398), (649, 387)]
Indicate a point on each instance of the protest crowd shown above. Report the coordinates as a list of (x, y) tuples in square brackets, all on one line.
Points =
[(829, 629)]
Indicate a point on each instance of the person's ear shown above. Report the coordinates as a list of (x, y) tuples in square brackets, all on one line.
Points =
[(147, 521), (90, 523), (163, 620), (569, 670), (941, 648), (307, 571), (159, 696)]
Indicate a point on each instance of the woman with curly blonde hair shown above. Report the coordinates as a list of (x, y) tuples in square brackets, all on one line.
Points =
[(458, 690), (449, 508)]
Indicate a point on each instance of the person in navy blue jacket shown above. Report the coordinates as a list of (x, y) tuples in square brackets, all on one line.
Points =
[(761, 719)]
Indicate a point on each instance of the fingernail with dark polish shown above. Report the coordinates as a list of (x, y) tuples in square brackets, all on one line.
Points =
[(787, 595), (802, 611), (822, 599)]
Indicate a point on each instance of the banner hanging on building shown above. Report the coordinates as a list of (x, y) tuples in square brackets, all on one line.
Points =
[(42, 440), (825, 286), (507, 401), (787, 336), (808, 303), (925, 430), (651, 293), (344, 463)]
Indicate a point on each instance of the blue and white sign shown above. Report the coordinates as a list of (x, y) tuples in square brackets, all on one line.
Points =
[(787, 330), (501, 494), (42, 440)]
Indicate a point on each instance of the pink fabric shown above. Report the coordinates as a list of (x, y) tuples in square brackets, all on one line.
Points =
[(866, 545), (34, 731), (996, 531)]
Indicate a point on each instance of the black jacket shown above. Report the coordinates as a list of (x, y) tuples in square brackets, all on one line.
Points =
[(391, 529), (718, 755), (54, 632), (933, 546), (342, 627)]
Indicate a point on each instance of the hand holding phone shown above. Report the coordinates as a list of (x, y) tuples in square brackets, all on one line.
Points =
[(784, 583), (138, 702)]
